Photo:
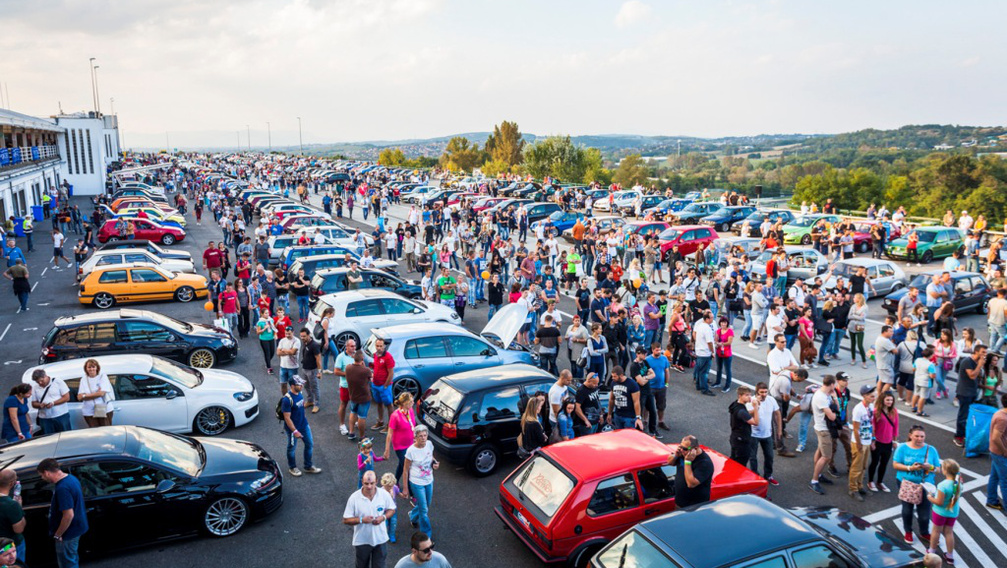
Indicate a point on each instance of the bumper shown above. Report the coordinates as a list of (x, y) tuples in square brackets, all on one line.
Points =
[(455, 453), (792, 238), (227, 354), (268, 502), (514, 528), (247, 411)]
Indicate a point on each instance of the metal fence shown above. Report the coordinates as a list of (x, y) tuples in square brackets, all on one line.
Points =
[(11, 157)]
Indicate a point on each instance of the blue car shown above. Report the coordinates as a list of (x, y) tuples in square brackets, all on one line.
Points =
[(561, 221), (673, 205)]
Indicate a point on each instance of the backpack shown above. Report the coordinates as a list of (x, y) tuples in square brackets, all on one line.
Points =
[(279, 406)]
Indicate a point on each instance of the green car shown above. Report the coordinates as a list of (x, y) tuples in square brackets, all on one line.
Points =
[(798, 231), (935, 242)]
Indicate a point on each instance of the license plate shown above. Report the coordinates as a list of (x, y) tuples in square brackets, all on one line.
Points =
[(520, 517), (430, 421)]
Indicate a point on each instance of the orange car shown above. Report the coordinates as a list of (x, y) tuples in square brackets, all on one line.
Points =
[(133, 201), (105, 286)]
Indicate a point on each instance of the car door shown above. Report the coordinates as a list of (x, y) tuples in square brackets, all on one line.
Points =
[(145, 230), (149, 284), (397, 311), (107, 259), (881, 279), (141, 257), (614, 505), (144, 400), (815, 555), (469, 353), (980, 290), (498, 418), (657, 487), (116, 283), (687, 243), (803, 265), (151, 339), (429, 358), (362, 315), (965, 298)]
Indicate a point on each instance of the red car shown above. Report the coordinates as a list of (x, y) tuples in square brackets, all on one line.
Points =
[(144, 229), (457, 198), (572, 498), (687, 237), (486, 202), (862, 241)]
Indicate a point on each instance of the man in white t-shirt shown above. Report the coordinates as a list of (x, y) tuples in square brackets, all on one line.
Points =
[(774, 321), (820, 408), (50, 397), (557, 392), (703, 340), (863, 440), (770, 426), (366, 511), (289, 350)]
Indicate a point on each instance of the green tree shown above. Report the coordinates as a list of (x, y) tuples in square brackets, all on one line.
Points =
[(594, 168), (462, 155), (632, 170), (506, 144), (391, 157), (555, 156)]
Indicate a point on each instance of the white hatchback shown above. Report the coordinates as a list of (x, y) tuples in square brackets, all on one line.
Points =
[(358, 311), (137, 255), (162, 394)]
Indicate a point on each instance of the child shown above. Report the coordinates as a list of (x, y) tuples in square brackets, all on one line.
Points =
[(923, 380), (282, 322), (389, 485), (945, 511), (365, 460)]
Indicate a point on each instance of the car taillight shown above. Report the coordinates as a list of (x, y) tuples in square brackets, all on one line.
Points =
[(449, 431), (49, 354), (81, 288), (541, 537)]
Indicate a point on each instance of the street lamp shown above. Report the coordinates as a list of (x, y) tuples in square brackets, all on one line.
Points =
[(238, 133), (94, 97), (269, 137), (249, 129), (300, 137), (97, 97)]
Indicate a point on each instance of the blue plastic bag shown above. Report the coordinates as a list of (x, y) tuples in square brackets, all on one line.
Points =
[(977, 430)]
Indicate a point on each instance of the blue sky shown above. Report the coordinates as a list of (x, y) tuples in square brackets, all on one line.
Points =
[(390, 69)]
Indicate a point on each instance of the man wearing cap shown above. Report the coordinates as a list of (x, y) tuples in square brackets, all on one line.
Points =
[(841, 434), (863, 440), (295, 423)]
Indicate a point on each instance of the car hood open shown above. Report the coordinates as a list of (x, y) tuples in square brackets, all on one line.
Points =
[(504, 326)]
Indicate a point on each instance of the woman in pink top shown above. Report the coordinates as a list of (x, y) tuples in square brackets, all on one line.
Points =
[(724, 337), (400, 430), (886, 432), (806, 336)]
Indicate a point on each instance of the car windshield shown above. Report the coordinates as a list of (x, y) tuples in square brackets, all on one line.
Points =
[(668, 235), (557, 215), (190, 378), (843, 269), (170, 451), (443, 400), (169, 321), (632, 550), (803, 221), (765, 256), (694, 208), (544, 484), (921, 281), (926, 236)]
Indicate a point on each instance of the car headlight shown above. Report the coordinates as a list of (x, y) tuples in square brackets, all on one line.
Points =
[(228, 342), (243, 396), (264, 481)]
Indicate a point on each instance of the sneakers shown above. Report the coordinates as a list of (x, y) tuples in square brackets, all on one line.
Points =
[(925, 537), (832, 470), (800, 448), (959, 441), (825, 480), (295, 472), (772, 481), (752, 346), (351, 436), (825, 363), (884, 488), (663, 426), (343, 429), (312, 469), (872, 486), (857, 496), (377, 426), (998, 506), (314, 409), (908, 537), (816, 487), (955, 402), (786, 453)]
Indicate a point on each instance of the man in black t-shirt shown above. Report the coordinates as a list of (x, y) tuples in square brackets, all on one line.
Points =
[(641, 372), (693, 473), (588, 408), (311, 361), (624, 401), (792, 314), (970, 372), (742, 421)]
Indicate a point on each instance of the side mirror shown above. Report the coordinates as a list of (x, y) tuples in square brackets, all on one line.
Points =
[(165, 485), (489, 352), (171, 394)]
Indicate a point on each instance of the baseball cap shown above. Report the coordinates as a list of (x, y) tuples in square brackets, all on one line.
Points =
[(866, 389), (297, 380), (842, 376)]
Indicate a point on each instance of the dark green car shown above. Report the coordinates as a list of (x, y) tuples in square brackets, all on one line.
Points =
[(935, 242)]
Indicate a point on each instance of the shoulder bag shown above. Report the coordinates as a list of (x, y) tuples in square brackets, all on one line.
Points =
[(910, 491)]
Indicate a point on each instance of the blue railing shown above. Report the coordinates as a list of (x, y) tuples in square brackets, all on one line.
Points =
[(15, 156)]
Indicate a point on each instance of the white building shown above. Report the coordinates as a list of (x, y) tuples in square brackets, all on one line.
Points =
[(30, 161), (90, 145)]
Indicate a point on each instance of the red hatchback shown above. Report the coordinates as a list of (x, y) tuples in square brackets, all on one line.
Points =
[(572, 498), (144, 229), (687, 237)]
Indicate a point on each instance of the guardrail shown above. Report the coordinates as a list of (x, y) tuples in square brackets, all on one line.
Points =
[(11, 157)]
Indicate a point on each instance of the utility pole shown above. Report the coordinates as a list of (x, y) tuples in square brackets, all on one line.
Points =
[(97, 97), (269, 137), (94, 97), (300, 137), (249, 129)]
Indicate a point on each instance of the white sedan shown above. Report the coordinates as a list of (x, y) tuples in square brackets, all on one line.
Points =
[(158, 393), (137, 255), (358, 311)]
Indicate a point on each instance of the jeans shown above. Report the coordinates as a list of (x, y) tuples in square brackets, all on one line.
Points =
[(400, 455), (724, 365), (391, 524), (232, 321), (283, 301), (826, 347), (331, 353), (309, 447), (836, 341), (941, 374), (303, 307), (998, 335), (748, 323), (964, 402), (767, 451), (648, 404), (368, 556), (802, 434), (55, 425), (649, 337), (311, 388), (548, 362), (287, 375), (791, 339), (701, 372), (22, 297), (493, 309), (998, 479), (66, 553), (922, 515), (420, 514), (623, 423)]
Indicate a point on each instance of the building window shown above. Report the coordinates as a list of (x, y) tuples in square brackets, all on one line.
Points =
[(90, 155), (66, 141), (76, 157)]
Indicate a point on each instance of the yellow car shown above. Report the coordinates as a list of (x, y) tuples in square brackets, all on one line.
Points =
[(153, 213), (105, 286)]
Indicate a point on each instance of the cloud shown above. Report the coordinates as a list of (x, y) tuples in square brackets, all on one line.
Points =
[(631, 12)]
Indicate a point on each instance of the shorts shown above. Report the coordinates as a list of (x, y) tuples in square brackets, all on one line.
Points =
[(287, 375), (360, 409), (57, 251), (825, 443), (525, 327), (344, 394), (661, 398), (381, 395), (922, 392), (886, 376), (941, 520), (905, 380)]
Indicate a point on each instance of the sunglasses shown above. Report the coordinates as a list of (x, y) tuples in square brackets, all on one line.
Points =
[(427, 550)]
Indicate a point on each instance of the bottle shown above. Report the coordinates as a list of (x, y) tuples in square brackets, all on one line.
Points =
[(17, 489)]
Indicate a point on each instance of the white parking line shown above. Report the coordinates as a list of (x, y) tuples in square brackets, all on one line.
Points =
[(44, 270), (4, 334), (33, 286), (1001, 518), (965, 538)]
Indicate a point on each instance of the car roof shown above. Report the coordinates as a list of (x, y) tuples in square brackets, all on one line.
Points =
[(689, 227), (108, 440), (110, 364), (362, 294), (413, 330), (125, 313), (591, 457), (864, 261), (955, 274), (687, 532), (122, 250), (480, 379), (929, 229)]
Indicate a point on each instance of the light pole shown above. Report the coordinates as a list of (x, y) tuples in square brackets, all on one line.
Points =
[(238, 132), (97, 97), (249, 129), (94, 97), (300, 137), (112, 100), (269, 137)]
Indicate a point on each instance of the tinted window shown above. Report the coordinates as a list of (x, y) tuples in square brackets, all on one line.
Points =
[(97, 335), (143, 331), (147, 275), (462, 346), (703, 233), (425, 348), (500, 404), (544, 484), (393, 306), (963, 286), (98, 479), (380, 281), (35, 491), (110, 259), (819, 556), (363, 308), (138, 257), (113, 277), (657, 483), (689, 235), (613, 495), (134, 387), (632, 550)]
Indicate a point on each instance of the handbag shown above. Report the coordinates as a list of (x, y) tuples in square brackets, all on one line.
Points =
[(910, 491)]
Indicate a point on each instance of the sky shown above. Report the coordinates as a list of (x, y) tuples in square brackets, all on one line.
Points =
[(206, 73)]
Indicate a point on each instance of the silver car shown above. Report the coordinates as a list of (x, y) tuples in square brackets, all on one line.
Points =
[(805, 263), (884, 275)]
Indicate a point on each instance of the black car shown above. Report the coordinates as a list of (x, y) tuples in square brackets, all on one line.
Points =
[(332, 280), (142, 486), (756, 218), (137, 331), (475, 417), (972, 292), (725, 218), (804, 536), (648, 201), (149, 246), (693, 212), (538, 211)]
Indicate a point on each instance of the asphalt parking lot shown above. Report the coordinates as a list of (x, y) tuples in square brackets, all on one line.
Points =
[(308, 530)]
